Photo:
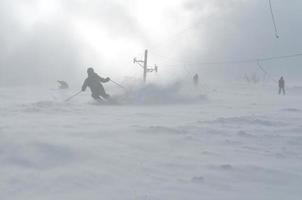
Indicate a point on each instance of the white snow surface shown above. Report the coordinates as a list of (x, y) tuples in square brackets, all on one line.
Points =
[(242, 142)]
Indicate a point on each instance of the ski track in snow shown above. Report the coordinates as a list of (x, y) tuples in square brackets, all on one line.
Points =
[(230, 146)]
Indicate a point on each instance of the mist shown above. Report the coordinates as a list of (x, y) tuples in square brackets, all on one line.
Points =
[(43, 41), (215, 114)]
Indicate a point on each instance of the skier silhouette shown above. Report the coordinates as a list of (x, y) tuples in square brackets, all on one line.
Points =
[(281, 85), (196, 79), (94, 82)]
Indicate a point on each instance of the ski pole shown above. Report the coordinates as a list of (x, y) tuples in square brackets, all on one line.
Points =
[(76, 94), (118, 85)]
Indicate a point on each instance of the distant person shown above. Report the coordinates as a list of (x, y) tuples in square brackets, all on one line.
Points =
[(282, 85), (63, 85), (196, 80), (94, 82)]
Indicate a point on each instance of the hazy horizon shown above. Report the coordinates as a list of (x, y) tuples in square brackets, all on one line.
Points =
[(46, 40)]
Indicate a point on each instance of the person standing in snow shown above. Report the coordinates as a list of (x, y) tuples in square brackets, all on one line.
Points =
[(281, 85), (196, 80), (94, 82)]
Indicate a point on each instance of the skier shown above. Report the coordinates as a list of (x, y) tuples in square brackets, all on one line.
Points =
[(63, 85), (196, 79), (94, 82), (281, 85)]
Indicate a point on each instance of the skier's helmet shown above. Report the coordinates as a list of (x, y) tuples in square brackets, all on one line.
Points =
[(90, 70)]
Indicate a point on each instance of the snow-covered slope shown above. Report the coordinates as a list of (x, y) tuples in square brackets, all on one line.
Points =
[(239, 143)]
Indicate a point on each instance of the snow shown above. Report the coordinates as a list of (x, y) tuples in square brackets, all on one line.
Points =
[(240, 142)]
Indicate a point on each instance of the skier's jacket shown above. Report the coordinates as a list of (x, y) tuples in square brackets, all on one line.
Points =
[(281, 83), (94, 82)]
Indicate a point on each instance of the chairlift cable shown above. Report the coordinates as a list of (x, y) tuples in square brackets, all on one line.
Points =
[(273, 19)]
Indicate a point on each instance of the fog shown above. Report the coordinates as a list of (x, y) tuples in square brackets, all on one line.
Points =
[(46, 40), (233, 132)]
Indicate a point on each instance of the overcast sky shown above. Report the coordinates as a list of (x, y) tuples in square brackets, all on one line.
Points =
[(46, 40)]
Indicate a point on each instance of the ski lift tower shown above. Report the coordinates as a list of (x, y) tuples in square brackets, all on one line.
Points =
[(144, 65)]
